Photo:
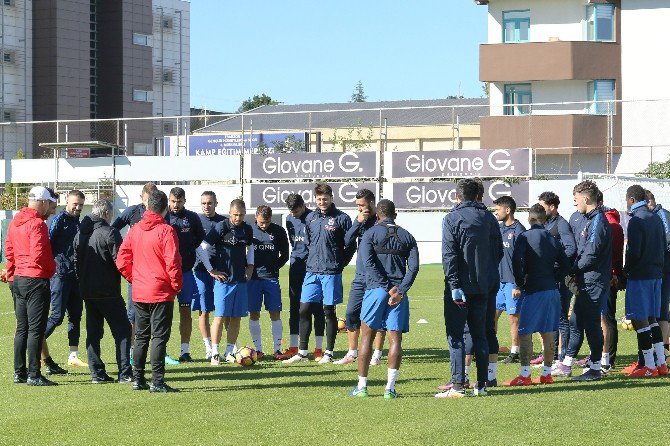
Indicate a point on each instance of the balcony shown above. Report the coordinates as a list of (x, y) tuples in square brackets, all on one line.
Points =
[(560, 134), (578, 60)]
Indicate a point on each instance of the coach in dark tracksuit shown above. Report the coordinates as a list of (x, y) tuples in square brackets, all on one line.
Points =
[(664, 318), (96, 248), (471, 250)]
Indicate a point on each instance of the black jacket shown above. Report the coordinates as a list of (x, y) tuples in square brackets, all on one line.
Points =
[(95, 249)]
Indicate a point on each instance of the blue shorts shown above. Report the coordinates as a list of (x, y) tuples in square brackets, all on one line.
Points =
[(322, 288), (205, 300), (643, 299), (264, 290), (230, 299), (189, 290), (355, 304), (539, 312), (504, 301), (377, 314)]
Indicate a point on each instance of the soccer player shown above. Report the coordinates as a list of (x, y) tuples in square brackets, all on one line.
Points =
[(664, 319), (231, 241), (608, 319), (205, 283), (190, 233), (325, 231), (643, 266), (391, 261), (510, 229), (149, 259), (471, 249), (65, 295), (560, 229), (536, 255), (270, 244), (592, 270), (366, 219), (296, 226)]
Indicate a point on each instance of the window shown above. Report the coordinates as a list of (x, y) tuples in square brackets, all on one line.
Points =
[(8, 2), (168, 128), (600, 22), (167, 23), (141, 39), (8, 57), (8, 116), (516, 26), (517, 99), (168, 76), (140, 148), (599, 91), (140, 95)]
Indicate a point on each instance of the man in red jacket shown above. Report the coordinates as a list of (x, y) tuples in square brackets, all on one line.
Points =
[(30, 264), (149, 259), (608, 316)]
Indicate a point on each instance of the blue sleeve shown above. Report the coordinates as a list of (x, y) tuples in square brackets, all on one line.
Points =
[(496, 239), (198, 231), (519, 261), (123, 220), (563, 262), (282, 243), (450, 254), (214, 235), (633, 248), (666, 227), (372, 270), (590, 256), (412, 268), (290, 229), (346, 225), (55, 226), (352, 232), (567, 238)]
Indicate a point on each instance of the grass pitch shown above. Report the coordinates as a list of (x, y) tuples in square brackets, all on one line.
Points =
[(275, 404)]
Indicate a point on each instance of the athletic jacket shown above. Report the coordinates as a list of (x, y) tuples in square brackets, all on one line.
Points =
[(296, 235), (471, 249), (131, 215), (63, 230), (27, 247), (560, 229), (149, 259), (96, 248), (645, 250), (593, 264), (613, 218), (536, 255), (353, 239), (324, 235), (509, 236), (190, 234), (270, 251), (577, 222), (207, 224), (390, 257), (665, 218), (230, 244)]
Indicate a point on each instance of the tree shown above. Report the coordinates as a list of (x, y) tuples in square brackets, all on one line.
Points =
[(658, 170), (359, 94), (255, 102), (357, 137), (486, 89)]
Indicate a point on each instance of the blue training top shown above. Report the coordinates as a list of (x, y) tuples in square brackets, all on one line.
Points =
[(296, 228), (509, 236), (270, 251), (536, 255), (207, 224), (230, 245)]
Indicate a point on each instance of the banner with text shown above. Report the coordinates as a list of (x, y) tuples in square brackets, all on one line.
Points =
[(459, 164), (443, 195), (275, 194), (233, 144), (290, 166)]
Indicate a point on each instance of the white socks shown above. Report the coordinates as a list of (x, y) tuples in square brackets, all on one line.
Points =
[(302, 352), (392, 376), (255, 330), (595, 365), (567, 361), (605, 361), (208, 343), (515, 349), (660, 354), (230, 349), (467, 370), (377, 354), (493, 370), (277, 333), (215, 349), (362, 382), (294, 341), (185, 348), (352, 353), (74, 352), (649, 358), (525, 371), (319, 342)]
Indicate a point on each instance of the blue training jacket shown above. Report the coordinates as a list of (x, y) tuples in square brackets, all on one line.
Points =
[(390, 257), (577, 222), (270, 251), (645, 250), (509, 236), (131, 215), (207, 224), (353, 238), (536, 255), (593, 264), (561, 229), (190, 234), (62, 231), (230, 248), (665, 218), (324, 234), (296, 234), (471, 249)]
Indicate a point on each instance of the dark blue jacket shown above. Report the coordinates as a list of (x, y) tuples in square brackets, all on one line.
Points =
[(390, 257), (190, 233), (645, 250), (560, 229), (131, 215), (64, 228), (325, 241), (593, 264), (509, 236), (471, 249), (230, 248), (665, 218), (207, 224), (353, 238), (270, 251), (536, 255), (577, 222), (296, 235)]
